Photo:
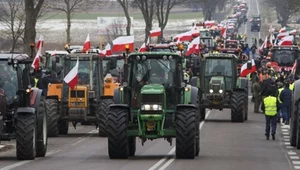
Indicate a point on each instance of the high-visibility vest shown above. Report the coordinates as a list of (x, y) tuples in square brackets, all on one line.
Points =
[(270, 106), (35, 82), (279, 92), (292, 86)]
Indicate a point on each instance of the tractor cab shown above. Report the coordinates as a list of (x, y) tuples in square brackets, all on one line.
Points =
[(284, 57), (207, 42), (54, 61)]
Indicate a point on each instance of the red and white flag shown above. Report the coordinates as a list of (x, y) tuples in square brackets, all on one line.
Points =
[(282, 35), (282, 29), (185, 36), (120, 42), (87, 44), (107, 51), (143, 47), (223, 32), (36, 61), (155, 32), (294, 68), (40, 43), (72, 77), (193, 47), (264, 45), (288, 40), (293, 32), (245, 71)]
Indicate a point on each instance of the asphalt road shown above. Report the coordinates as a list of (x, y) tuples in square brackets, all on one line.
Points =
[(224, 145)]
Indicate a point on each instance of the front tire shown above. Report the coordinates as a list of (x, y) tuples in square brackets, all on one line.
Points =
[(118, 147), (101, 116), (53, 117), (186, 133), (63, 127), (26, 136), (238, 107), (42, 138)]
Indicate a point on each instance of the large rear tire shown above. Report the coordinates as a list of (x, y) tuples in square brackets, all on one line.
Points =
[(42, 138), (118, 147), (101, 116), (238, 107), (246, 107), (186, 133), (131, 146), (26, 136), (53, 117), (63, 127), (202, 113)]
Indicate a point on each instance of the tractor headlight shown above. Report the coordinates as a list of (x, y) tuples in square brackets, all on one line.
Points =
[(211, 90), (148, 107), (220, 91)]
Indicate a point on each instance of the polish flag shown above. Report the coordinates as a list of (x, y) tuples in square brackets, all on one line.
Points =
[(223, 32), (72, 77), (155, 32), (185, 36), (294, 68), (282, 34), (282, 29), (192, 47), (107, 51), (264, 45), (209, 24), (288, 40), (36, 62), (53, 54), (120, 42), (40, 43), (87, 44), (293, 32), (245, 71)]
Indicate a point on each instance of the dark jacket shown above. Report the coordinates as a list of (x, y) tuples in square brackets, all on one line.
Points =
[(286, 97), (265, 87)]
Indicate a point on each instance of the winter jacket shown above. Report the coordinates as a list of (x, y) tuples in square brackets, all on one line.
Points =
[(286, 97)]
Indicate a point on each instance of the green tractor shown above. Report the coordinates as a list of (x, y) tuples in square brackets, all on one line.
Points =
[(220, 86), (153, 102)]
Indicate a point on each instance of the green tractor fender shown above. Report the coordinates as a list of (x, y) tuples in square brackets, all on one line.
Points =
[(191, 95), (242, 83)]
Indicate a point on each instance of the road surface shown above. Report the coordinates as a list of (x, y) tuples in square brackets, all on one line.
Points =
[(224, 145)]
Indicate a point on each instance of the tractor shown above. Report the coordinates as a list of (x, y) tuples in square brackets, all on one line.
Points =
[(80, 104), (255, 23), (23, 114), (153, 102), (220, 87)]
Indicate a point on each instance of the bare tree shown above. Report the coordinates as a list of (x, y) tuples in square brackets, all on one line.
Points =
[(32, 10), (125, 5), (13, 19), (284, 9), (163, 9), (69, 7), (115, 29), (147, 9)]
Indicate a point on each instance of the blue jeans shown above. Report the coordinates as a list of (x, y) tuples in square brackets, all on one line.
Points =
[(286, 113), (271, 121)]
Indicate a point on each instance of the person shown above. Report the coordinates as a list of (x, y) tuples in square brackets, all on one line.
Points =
[(270, 107), (219, 68), (286, 99), (253, 50), (279, 113), (247, 50), (43, 82), (256, 95)]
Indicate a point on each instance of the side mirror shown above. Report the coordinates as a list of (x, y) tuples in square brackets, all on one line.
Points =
[(249, 65)]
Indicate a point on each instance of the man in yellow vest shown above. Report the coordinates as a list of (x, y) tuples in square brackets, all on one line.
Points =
[(270, 107)]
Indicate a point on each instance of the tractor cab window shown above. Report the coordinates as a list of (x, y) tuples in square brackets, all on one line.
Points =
[(284, 57), (58, 61), (113, 69), (84, 70), (8, 81), (153, 71), (207, 41), (218, 68)]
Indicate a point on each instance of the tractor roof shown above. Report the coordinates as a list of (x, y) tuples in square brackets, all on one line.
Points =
[(154, 55), (14, 56), (82, 56), (56, 52), (117, 56), (220, 55)]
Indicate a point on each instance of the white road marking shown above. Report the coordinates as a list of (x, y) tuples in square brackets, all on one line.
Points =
[(286, 137), (291, 153), (284, 130), (246, 25), (286, 140), (297, 167), (296, 162), (172, 151), (287, 143), (289, 147), (286, 133), (294, 157)]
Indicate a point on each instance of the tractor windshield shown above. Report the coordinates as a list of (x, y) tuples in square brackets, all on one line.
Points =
[(8, 81), (218, 67), (153, 71), (284, 57), (115, 72), (84, 71), (207, 41)]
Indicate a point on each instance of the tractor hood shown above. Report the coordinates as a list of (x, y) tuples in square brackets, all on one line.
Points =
[(216, 84), (153, 89)]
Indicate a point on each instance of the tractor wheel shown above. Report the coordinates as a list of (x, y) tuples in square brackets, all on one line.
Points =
[(101, 116), (238, 107), (53, 117), (294, 125), (197, 139), (246, 107), (186, 133), (203, 113), (118, 147), (297, 126), (26, 136), (131, 146), (42, 138), (63, 127)]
